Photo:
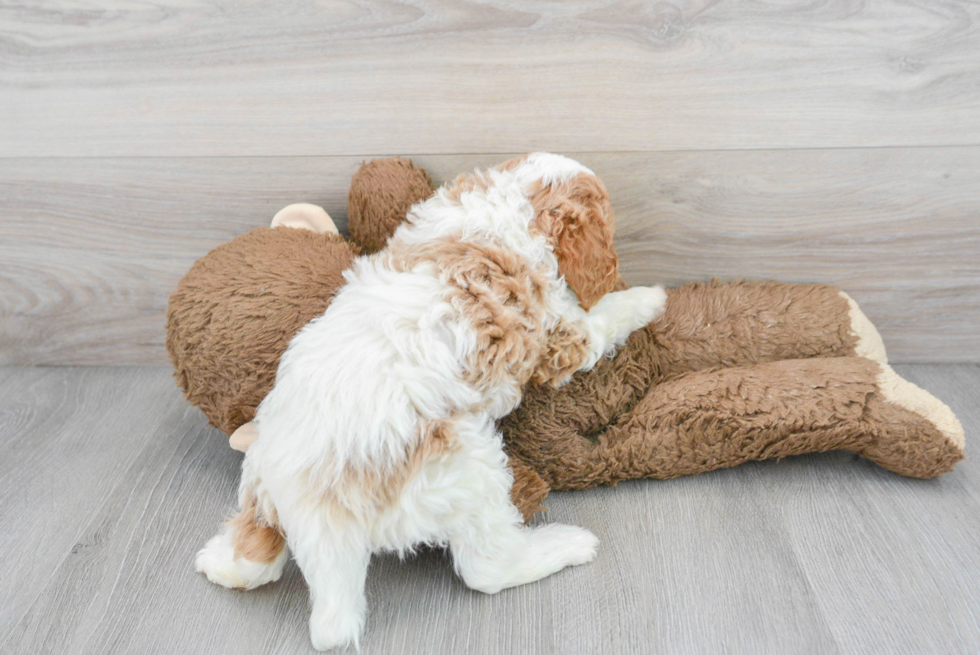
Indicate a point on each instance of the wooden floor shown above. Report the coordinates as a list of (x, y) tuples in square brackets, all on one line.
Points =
[(109, 483)]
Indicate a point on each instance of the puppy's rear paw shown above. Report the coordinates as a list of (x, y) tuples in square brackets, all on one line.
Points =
[(335, 628), (217, 561), (568, 544)]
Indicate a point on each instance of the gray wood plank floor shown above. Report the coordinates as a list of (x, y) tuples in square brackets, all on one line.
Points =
[(109, 483)]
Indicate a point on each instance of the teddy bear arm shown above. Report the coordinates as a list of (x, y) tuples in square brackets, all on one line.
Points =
[(713, 419), (742, 323)]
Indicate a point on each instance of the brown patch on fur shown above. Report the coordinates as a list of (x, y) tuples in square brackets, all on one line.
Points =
[(503, 298), (563, 355), (578, 220), (467, 183), (256, 538), (479, 180), (437, 441), (375, 489), (380, 195)]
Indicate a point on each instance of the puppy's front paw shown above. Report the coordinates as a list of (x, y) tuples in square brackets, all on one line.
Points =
[(625, 312), (643, 305), (618, 315)]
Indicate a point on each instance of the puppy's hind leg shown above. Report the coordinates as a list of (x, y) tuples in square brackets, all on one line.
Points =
[(492, 548), (248, 553), (335, 563)]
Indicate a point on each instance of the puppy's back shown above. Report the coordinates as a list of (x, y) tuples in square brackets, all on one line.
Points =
[(356, 385)]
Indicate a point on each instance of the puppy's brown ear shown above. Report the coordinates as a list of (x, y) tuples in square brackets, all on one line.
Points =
[(579, 222)]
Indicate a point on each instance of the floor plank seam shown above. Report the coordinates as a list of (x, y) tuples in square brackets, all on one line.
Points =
[(501, 153)]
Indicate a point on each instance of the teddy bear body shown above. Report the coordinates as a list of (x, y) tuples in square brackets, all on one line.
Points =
[(235, 311), (731, 372)]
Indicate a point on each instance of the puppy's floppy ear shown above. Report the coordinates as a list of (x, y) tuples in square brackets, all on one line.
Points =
[(578, 220)]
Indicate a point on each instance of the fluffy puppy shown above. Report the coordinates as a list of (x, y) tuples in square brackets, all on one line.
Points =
[(379, 433)]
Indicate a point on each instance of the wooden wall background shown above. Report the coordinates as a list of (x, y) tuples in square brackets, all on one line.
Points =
[(830, 141)]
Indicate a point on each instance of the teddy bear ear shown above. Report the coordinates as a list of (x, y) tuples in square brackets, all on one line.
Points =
[(304, 216)]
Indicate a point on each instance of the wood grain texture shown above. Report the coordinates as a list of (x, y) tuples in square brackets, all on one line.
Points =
[(818, 554), (894, 562), (66, 435), (335, 77), (91, 249)]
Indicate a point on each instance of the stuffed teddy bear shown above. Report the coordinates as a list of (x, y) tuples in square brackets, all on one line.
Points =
[(731, 372)]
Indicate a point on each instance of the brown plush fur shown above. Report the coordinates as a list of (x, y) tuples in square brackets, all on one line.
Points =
[(380, 194), (705, 325), (676, 398), (233, 314), (715, 418), (731, 372)]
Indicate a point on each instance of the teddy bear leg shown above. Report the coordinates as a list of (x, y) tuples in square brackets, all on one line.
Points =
[(743, 323), (713, 419), (917, 434)]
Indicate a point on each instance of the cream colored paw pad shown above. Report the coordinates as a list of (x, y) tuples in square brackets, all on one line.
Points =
[(903, 393), (869, 343)]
